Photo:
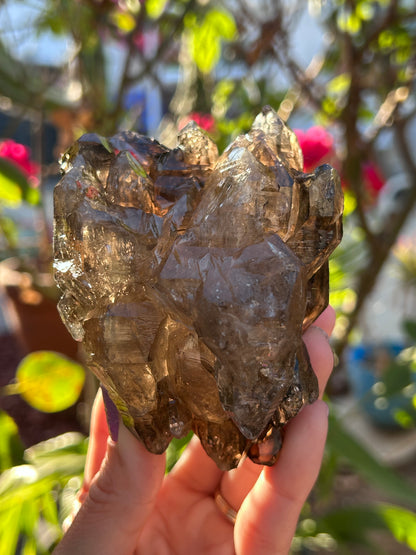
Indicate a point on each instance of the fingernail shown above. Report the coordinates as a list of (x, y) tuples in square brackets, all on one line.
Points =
[(321, 330), (112, 414), (324, 406), (127, 443)]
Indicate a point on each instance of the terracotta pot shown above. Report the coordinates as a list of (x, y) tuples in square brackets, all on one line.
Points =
[(38, 324), (33, 324)]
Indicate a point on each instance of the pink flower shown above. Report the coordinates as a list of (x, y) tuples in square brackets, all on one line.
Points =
[(205, 121), (372, 177), (19, 155), (317, 146)]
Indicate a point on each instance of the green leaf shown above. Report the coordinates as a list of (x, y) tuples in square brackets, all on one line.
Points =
[(339, 85), (11, 449), (223, 23), (11, 183), (51, 449), (124, 21), (30, 547), (14, 185), (175, 450), (401, 522), (386, 39), (349, 22), (222, 96), (64, 455), (105, 143), (350, 203), (380, 476), (29, 517), (206, 37), (49, 508), (32, 196), (27, 492), (409, 327), (68, 497), (155, 8), (329, 106), (9, 230), (396, 376), (48, 381), (135, 165), (351, 524), (15, 477), (404, 419), (365, 10), (9, 529), (21, 491)]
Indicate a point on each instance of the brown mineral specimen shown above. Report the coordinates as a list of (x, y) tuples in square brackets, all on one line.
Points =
[(190, 278)]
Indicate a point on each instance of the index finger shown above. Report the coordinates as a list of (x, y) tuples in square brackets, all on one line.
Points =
[(317, 344), (326, 320), (267, 519)]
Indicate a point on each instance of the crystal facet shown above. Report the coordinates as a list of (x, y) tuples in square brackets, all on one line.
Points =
[(190, 278)]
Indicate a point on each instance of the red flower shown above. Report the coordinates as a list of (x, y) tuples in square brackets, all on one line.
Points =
[(372, 177), (205, 121), (317, 146), (19, 155)]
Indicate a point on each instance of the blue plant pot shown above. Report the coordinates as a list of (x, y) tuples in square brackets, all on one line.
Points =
[(364, 367)]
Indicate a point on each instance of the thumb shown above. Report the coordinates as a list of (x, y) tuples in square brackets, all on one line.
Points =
[(119, 500)]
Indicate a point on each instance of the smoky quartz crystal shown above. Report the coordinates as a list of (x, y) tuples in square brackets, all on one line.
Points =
[(190, 277)]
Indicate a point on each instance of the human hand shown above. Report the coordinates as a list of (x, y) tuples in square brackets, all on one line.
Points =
[(130, 506)]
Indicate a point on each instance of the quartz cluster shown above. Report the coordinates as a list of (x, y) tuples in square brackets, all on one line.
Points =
[(190, 277)]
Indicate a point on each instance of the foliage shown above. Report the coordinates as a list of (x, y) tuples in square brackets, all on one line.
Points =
[(38, 485), (342, 444), (175, 450), (37, 493), (353, 526), (48, 381), (17, 184), (326, 525), (229, 59), (205, 36)]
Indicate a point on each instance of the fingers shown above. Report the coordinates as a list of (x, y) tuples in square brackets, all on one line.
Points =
[(195, 470), (318, 347), (320, 355), (236, 483), (97, 445), (281, 490), (326, 320), (120, 497)]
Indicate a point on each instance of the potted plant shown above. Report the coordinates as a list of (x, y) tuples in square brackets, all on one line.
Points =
[(383, 374), (37, 352), (25, 270), (383, 379)]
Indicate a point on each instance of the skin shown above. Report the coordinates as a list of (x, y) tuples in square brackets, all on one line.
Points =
[(130, 507)]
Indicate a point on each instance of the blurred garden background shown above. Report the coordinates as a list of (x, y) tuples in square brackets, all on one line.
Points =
[(342, 74)]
